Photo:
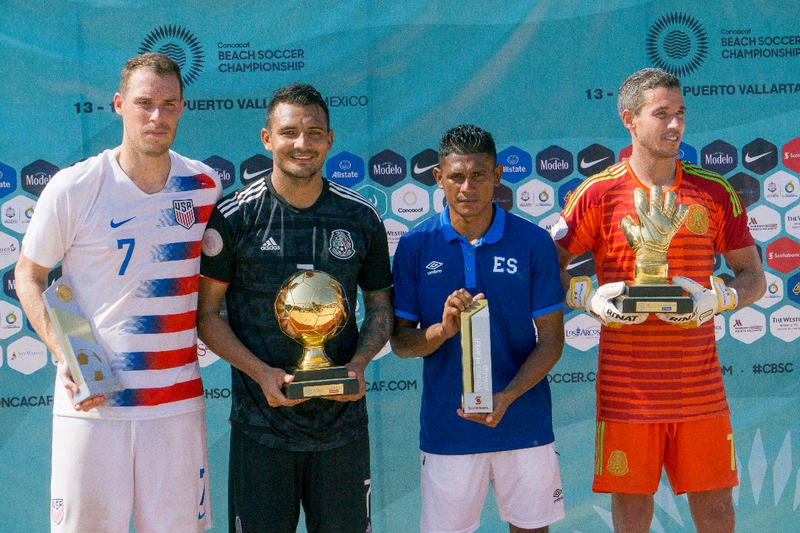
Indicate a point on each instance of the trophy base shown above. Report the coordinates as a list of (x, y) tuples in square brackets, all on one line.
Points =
[(331, 381), (654, 299)]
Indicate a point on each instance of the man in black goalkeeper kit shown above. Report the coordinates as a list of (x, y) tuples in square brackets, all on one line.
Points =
[(284, 452)]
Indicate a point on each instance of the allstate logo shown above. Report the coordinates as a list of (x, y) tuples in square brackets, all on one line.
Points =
[(513, 159), (677, 43), (345, 164), (181, 46)]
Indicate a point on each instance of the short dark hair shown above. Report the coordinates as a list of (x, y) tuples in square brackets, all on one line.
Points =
[(298, 94), (467, 139), (631, 92), (159, 63)]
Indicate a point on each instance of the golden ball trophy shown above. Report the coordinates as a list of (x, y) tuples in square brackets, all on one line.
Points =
[(659, 220), (312, 308)]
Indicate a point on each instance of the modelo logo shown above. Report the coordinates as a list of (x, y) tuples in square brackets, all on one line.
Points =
[(554, 163), (387, 168), (719, 157), (224, 168), (36, 175)]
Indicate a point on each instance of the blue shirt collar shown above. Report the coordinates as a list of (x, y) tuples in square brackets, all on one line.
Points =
[(493, 235)]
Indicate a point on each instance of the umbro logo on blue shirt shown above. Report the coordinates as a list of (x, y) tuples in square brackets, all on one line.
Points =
[(433, 267)]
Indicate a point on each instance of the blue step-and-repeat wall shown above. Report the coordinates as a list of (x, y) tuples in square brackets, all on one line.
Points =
[(541, 76)]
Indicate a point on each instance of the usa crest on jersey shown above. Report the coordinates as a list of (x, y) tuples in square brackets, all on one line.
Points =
[(184, 212), (57, 510), (341, 244)]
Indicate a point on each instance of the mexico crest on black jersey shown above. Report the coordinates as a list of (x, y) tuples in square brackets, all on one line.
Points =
[(341, 244), (184, 213)]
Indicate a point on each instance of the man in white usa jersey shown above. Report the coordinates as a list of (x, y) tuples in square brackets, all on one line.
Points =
[(127, 225)]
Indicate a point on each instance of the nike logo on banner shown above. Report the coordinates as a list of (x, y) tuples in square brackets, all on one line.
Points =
[(749, 159), (118, 224), (418, 170), (585, 165), (253, 175)]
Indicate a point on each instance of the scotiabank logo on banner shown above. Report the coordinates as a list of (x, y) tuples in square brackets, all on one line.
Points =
[(783, 255), (554, 163), (791, 154), (36, 175), (516, 164)]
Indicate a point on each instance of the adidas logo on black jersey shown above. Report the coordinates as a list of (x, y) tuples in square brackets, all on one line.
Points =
[(270, 245)]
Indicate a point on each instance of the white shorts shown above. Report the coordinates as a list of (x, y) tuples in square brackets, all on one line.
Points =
[(526, 484), (105, 469)]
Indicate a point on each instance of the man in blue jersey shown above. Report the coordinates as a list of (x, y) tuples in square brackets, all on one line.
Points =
[(472, 250)]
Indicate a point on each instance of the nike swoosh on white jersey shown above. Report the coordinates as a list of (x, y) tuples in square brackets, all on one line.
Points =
[(248, 176), (585, 165), (748, 159), (418, 170)]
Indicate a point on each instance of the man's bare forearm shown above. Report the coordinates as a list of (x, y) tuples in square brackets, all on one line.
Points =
[(377, 326), (30, 283)]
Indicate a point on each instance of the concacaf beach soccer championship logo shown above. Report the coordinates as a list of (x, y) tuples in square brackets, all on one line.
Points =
[(179, 44), (677, 43)]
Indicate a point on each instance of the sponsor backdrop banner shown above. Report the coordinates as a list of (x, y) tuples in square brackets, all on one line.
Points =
[(541, 76)]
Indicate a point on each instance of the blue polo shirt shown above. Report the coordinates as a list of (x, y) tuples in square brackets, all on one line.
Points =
[(516, 267)]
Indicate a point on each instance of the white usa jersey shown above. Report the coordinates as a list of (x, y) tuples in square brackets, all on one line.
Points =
[(134, 259)]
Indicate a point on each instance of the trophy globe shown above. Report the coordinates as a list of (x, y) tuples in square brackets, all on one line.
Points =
[(312, 308)]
